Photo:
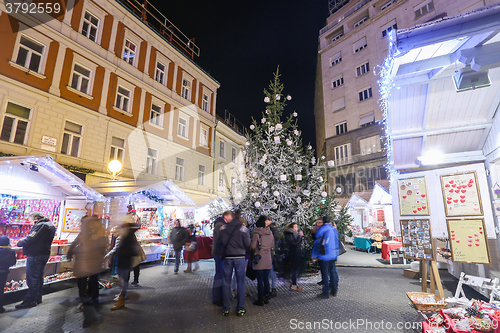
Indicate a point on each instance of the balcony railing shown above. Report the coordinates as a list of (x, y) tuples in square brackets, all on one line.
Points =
[(357, 158), (232, 122), (158, 22)]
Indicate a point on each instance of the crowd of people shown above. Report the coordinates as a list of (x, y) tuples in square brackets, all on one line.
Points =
[(236, 252)]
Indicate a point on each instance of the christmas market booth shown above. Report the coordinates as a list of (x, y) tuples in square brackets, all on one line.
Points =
[(38, 184), (157, 203), (441, 94)]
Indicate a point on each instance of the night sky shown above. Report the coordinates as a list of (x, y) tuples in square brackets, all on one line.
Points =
[(243, 42)]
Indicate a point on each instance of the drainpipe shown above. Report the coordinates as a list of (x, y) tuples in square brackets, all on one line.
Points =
[(213, 150)]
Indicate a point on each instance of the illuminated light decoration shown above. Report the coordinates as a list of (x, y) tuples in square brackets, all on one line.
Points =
[(257, 204), (288, 98), (324, 194), (252, 127), (276, 193)]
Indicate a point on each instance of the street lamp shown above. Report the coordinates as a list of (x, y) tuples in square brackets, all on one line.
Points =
[(114, 167)]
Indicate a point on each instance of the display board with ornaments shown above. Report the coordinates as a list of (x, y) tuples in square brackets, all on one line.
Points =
[(413, 198), (461, 194), (468, 241)]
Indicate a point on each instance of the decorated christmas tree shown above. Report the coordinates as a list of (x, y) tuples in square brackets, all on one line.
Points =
[(283, 178)]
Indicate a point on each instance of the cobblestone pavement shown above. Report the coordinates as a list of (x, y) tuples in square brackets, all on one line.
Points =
[(369, 300)]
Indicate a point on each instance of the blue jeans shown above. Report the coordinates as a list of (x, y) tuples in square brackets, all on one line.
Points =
[(330, 276), (35, 267), (217, 286), (239, 267), (235, 282), (272, 274), (124, 275), (262, 282), (178, 254)]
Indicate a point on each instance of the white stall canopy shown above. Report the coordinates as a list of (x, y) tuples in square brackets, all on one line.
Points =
[(154, 191), (40, 176)]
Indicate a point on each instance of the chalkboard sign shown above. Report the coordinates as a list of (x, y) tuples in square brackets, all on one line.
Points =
[(417, 239), (468, 241), (412, 194)]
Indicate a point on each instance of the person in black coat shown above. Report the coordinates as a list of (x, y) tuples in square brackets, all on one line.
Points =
[(36, 246), (7, 259), (293, 240), (178, 236)]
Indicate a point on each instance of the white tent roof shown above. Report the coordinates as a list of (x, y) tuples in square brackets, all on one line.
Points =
[(356, 202), (41, 176), (426, 112), (380, 196)]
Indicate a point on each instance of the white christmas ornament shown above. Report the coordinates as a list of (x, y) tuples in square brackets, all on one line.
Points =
[(295, 114), (278, 97), (283, 178), (298, 177), (296, 132), (299, 161), (310, 147), (324, 194), (234, 181), (263, 120), (264, 184), (320, 179), (322, 157), (313, 160), (254, 174), (306, 193), (247, 143), (238, 195), (279, 126), (331, 164), (276, 193), (288, 97), (257, 204), (299, 200), (266, 99), (277, 139), (289, 142), (252, 127), (271, 128)]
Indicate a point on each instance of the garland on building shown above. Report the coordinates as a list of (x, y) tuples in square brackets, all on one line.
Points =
[(152, 197), (77, 169)]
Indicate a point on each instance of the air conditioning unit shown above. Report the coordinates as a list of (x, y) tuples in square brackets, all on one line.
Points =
[(466, 78)]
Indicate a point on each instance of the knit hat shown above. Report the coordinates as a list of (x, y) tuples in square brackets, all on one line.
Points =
[(326, 219), (4, 241)]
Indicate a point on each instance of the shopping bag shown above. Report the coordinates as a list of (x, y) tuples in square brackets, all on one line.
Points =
[(251, 273), (342, 249)]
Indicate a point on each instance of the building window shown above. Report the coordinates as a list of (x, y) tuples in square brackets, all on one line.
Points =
[(387, 4), (15, 124), (362, 69), (346, 183), (386, 29), (359, 45), (370, 145), (152, 161), (160, 73), (123, 99), (337, 81), (30, 54), (367, 119), (204, 137), (201, 175), (186, 88), (423, 9), (179, 169), (341, 128), (233, 155), (117, 149), (80, 78), (72, 139), (221, 180), (205, 103), (360, 22), (129, 52), (336, 58), (339, 104), (364, 94), (182, 127), (367, 177), (90, 26), (342, 154), (155, 116), (336, 38), (222, 151)]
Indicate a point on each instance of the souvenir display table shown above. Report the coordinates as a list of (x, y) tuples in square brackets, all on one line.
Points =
[(387, 246), (363, 243)]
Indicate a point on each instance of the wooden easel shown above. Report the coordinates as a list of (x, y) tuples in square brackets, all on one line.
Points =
[(435, 278)]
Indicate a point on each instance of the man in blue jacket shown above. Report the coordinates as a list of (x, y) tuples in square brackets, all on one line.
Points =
[(326, 251)]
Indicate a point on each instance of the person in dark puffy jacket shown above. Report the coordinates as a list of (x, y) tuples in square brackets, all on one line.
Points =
[(293, 240), (178, 237), (36, 246), (7, 259), (263, 245)]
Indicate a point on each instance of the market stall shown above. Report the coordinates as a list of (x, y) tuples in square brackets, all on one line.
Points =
[(38, 184), (157, 203)]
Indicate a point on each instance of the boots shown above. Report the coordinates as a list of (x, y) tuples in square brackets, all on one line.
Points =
[(259, 302), (119, 304)]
